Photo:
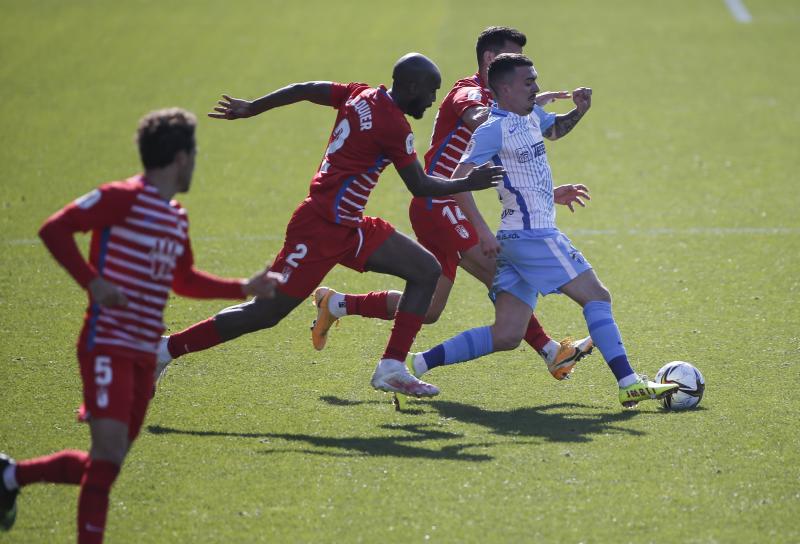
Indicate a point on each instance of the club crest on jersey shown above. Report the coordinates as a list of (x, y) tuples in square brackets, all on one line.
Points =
[(462, 231), (162, 258), (523, 154)]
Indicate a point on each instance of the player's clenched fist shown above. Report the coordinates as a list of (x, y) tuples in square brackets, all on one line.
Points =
[(262, 285), (106, 293), (582, 97)]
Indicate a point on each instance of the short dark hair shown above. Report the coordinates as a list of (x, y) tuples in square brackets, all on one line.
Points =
[(495, 37), (505, 64), (163, 133)]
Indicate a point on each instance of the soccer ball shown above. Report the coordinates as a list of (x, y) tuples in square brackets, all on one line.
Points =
[(691, 385)]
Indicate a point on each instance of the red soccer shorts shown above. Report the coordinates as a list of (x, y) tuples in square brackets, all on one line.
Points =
[(313, 246), (117, 385), (444, 230)]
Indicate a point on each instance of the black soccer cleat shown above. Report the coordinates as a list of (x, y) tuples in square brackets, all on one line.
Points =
[(8, 499)]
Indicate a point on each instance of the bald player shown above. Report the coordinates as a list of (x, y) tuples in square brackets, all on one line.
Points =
[(329, 227)]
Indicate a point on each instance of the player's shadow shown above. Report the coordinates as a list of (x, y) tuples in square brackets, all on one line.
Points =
[(408, 445), (549, 422)]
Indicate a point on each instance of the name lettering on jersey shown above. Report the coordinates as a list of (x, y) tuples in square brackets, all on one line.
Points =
[(163, 256), (507, 213), (88, 200), (364, 115)]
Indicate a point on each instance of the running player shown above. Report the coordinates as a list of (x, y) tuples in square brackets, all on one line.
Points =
[(329, 227), (441, 226), (534, 257), (139, 250)]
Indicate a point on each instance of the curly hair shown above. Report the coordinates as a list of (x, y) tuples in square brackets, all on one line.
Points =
[(163, 133)]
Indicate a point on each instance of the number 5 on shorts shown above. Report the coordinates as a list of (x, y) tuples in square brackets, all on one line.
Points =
[(102, 378)]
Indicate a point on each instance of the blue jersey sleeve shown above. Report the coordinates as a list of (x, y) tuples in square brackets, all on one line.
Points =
[(546, 120), (485, 143)]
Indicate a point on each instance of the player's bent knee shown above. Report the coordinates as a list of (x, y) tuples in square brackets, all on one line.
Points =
[(506, 341)]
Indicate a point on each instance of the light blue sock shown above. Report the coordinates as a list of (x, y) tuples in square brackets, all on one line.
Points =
[(605, 335), (466, 346)]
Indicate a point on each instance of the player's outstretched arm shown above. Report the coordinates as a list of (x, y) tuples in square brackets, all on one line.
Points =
[(421, 184), (188, 281), (582, 97), (466, 202), (318, 92)]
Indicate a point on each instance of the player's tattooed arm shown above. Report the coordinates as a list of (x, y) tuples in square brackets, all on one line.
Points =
[(582, 97), (318, 92)]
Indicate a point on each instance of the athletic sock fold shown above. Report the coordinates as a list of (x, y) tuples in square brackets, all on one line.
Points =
[(405, 329), (61, 467), (200, 336), (93, 500), (606, 336), (465, 346), (369, 305)]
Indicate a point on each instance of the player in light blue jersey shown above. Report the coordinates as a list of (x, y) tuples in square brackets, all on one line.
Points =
[(533, 256)]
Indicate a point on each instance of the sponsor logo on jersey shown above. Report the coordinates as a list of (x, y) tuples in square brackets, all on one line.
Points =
[(88, 200), (523, 154), (410, 143), (508, 236), (507, 213), (538, 149)]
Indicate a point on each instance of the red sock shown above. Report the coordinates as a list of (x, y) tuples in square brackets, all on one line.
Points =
[(93, 501), (198, 337), (62, 467), (369, 305), (535, 335), (405, 329)]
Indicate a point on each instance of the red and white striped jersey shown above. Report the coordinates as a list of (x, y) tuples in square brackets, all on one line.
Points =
[(139, 243), (450, 134), (370, 133)]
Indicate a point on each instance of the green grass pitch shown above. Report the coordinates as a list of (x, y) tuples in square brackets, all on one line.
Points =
[(691, 153)]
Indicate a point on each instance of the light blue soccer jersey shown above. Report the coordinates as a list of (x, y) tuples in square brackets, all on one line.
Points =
[(515, 142)]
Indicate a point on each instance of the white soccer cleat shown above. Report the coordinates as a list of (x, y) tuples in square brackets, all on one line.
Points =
[(163, 359), (393, 377)]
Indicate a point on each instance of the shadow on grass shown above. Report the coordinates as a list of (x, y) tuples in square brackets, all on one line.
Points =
[(405, 445), (545, 422)]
